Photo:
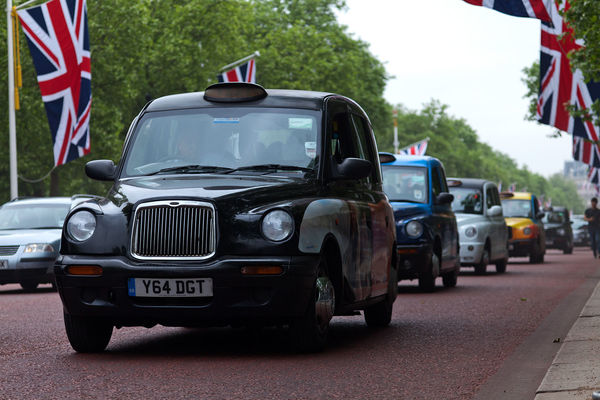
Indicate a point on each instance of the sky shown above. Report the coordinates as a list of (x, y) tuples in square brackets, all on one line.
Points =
[(469, 58)]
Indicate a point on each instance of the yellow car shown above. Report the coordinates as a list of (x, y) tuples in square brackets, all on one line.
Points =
[(526, 230)]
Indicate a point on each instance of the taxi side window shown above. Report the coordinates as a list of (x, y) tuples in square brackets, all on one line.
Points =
[(365, 146), (489, 197), (342, 145), (436, 183)]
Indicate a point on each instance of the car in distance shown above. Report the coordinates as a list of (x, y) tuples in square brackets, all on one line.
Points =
[(233, 206), (482, 231), (30, 230), (426, 230), (526, 230), (581, 234), (558, 229)]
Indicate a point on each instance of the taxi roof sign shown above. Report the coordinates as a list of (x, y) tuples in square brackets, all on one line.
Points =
[(234, 92)]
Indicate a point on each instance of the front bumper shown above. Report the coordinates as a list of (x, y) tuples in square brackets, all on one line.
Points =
[(236, 298), (521, 247), (413, 259), (558, 242), (471, 253), (30, 271)]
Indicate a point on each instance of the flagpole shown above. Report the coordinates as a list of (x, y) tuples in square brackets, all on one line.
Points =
[(241, 60), (12, 129), (396, 131)]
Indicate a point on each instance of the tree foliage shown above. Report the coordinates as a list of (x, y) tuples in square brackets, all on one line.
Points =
[(143, 49)]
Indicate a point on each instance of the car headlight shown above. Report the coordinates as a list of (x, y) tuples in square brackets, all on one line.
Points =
[(81, 226), (471, 231), (39, 248), (560, 231), (414, 229), (277, 225), (527, 231)]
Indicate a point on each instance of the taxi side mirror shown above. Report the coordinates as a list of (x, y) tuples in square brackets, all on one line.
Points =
[(353, 168), (444, 198), (101, 170)]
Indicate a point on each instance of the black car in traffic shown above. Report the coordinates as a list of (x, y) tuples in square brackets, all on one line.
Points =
[(233, 206), (557, 226)]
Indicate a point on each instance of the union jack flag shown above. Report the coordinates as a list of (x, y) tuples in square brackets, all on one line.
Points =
[(594, 175), (243, 73), (559, 84), (519, 8), (416, 149), (586, 151), (57, 35)]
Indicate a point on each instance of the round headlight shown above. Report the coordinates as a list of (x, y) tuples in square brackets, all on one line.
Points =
[(414, 229), (470, 231), (527, 231), (277, 225), (81, 225), (561, 231)]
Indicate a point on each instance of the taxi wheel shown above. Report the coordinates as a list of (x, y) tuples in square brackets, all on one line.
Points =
[(380, 314), (309, 332), (450, 279), (427, 278), (87, 335), (481, 268), (501, 266), (536, 256), (568, 249), (29, 286)]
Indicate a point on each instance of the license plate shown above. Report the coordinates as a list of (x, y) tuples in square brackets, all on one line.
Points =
[(3, 264), (152, 287)]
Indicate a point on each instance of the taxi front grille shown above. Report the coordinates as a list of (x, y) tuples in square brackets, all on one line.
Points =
[(173, 230), (8, 250)]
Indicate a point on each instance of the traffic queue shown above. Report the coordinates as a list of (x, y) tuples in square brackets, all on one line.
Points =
[(245, 206)]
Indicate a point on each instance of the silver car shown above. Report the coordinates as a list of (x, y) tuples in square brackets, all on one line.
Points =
[(30, 231), (482, 232)]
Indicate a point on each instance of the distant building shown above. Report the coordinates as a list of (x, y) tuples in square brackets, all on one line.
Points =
[(577, 172)]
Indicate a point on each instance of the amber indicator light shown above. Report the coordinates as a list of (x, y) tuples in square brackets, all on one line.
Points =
[(87, 270), (408, 251), (262, 270)]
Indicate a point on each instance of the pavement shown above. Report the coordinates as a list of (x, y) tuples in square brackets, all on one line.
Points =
[(575, 371)]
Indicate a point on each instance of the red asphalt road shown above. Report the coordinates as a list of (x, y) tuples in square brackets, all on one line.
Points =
[(442, 345)]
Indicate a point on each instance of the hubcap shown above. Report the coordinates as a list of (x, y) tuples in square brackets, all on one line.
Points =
[(325, 302)]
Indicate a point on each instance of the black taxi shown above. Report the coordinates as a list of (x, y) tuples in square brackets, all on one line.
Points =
[(233, 206)]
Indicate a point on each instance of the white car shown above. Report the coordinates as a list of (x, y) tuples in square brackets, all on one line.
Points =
[(482, 231)]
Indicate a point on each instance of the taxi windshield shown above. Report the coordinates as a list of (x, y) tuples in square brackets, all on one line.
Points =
[(516, 208), (554, 217), (225, 140), (467, 200), (405, 183)]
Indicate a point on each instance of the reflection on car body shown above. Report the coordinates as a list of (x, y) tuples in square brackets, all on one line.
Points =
[(581, 234), (233, 206), (482, 230)]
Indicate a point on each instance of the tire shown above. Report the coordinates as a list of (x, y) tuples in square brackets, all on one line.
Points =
[(87, 335), (481, 268), (29, 286), (568, 249), (309, 332), (450, 278), (536, 256), (380, 315), (427, 278), (501, 266)]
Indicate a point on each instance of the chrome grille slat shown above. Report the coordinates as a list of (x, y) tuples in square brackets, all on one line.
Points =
[(173, 230), (8, 250)]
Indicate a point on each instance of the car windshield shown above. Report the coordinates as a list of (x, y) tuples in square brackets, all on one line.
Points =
[(516, 208), (467, 200), (405, 183), (554, 217), (225, 140), (33, 216)]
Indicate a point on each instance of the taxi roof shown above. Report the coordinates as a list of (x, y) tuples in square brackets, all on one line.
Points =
[(415, 161)]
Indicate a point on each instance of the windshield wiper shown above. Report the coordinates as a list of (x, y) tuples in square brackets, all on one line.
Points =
[(270, 167), (192, 168)]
